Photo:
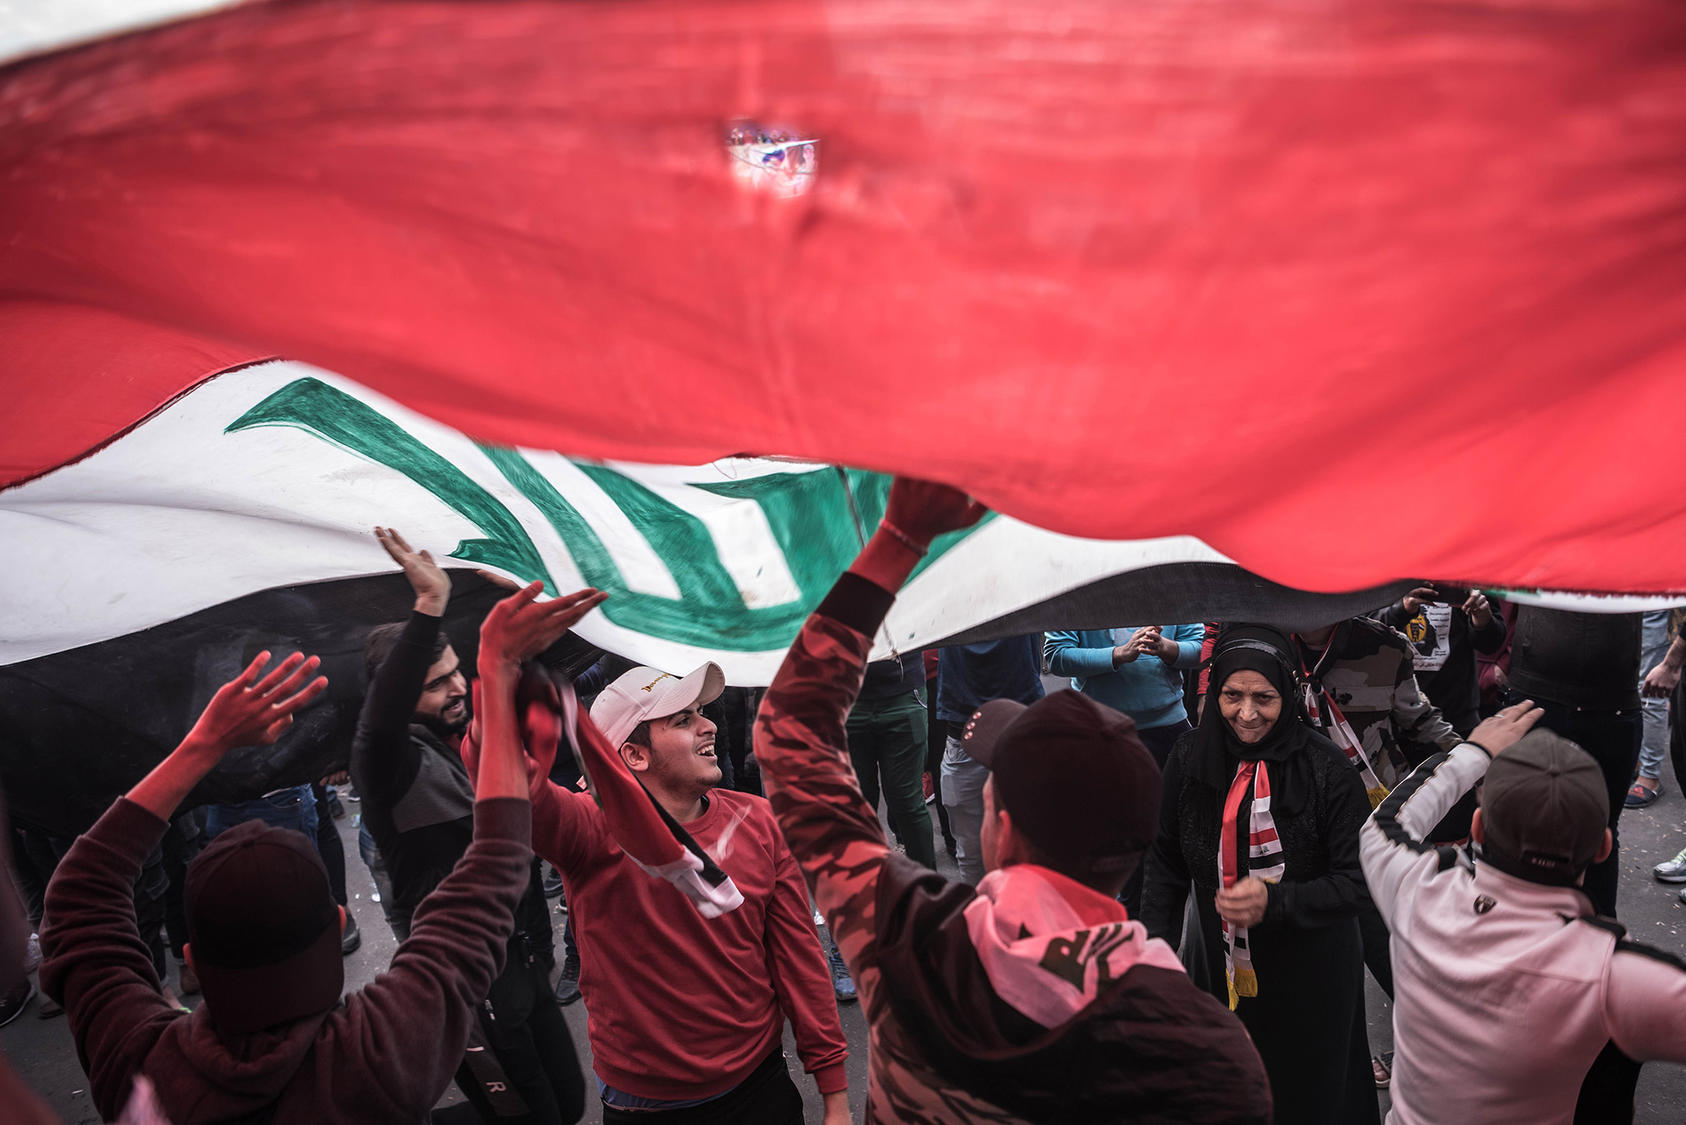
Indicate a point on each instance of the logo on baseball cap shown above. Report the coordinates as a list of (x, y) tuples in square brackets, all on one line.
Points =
[(648, 693)]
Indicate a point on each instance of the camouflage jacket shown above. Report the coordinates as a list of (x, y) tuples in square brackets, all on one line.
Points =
[(1366, 669), (944, 1047)]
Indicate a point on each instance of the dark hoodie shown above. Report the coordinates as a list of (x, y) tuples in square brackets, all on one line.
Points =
[(949, 976), (384, 1054)]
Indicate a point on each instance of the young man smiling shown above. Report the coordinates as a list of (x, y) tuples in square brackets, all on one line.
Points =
[(686, 1014), (418, 803)]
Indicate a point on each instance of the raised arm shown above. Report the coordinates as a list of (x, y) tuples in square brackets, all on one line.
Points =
[(95, 963), (799, 732), (1486, 628), (385, 759), (1391, 844)]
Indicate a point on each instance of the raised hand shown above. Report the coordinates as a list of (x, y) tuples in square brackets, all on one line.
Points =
[(921, 511), (431, 584), (249, 711), (246, 711), (1499, 732), (520, 627), (1480, 610), (1413, 601)]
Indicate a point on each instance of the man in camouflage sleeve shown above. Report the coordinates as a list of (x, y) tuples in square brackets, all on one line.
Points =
[(1033, 996)]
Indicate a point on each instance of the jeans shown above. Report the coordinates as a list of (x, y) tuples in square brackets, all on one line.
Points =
[(293, 808), (1612, 738), (1653, 645), (887, 740), (963, 782), (383, 882), (327, 840), (936, 740)]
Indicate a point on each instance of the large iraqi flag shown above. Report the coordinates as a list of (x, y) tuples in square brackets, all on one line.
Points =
[(1310, 298)]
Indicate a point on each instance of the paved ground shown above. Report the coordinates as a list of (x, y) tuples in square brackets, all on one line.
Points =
[(42, 1051)]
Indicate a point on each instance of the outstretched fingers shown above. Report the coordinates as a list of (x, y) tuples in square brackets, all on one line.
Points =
[(252, 671), (394, 542), (304, 697), (503, 581), (302, 671), (522, 597), (280, 672)]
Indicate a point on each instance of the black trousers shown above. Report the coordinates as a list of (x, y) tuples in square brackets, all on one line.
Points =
[(766, 1097), (533, 1076)]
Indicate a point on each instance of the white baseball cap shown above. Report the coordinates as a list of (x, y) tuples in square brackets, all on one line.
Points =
[(647, 693)]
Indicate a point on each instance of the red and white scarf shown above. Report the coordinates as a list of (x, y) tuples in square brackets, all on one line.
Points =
[(1264, 862)]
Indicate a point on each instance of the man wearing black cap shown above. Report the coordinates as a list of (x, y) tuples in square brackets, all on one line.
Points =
[(272, 1040), (1507, 988), (1033, 996)]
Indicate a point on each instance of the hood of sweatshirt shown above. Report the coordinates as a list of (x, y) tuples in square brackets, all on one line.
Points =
[(1041, 996), (200, 1075)]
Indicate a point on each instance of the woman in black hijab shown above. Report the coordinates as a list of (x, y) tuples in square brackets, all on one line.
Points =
[(1261, 817)]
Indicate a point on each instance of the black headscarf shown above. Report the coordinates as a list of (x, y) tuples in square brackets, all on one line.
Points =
[(1217, 749)]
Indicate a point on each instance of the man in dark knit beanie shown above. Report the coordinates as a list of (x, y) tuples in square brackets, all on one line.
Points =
[(273, 1040)]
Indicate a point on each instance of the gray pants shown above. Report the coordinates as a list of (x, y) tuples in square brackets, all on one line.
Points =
[(963, 782), (1652, 647)]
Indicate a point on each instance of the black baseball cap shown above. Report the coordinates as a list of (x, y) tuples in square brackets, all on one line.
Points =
[(1075, 777), (264, 928), (1544, 809)]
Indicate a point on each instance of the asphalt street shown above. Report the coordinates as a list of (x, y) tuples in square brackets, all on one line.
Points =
[(41, 1049)]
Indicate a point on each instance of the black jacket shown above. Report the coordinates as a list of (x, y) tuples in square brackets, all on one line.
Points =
[(417, 800), (1577, 659), (1323, 884)]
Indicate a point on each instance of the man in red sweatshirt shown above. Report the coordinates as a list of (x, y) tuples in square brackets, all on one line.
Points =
[(272, 1040), (686, 1014)]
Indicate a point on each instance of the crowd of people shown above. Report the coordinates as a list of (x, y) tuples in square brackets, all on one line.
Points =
[(1172, 877)]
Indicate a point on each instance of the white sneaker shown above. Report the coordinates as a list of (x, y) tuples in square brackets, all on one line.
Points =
[(32, 959), (1672, 871)]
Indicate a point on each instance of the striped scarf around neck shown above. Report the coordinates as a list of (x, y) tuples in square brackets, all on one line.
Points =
[(1264, 862)]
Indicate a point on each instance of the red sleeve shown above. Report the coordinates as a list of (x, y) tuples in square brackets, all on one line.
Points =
[(567, 827), (1207, 644), (800, 975), (95, 962)]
